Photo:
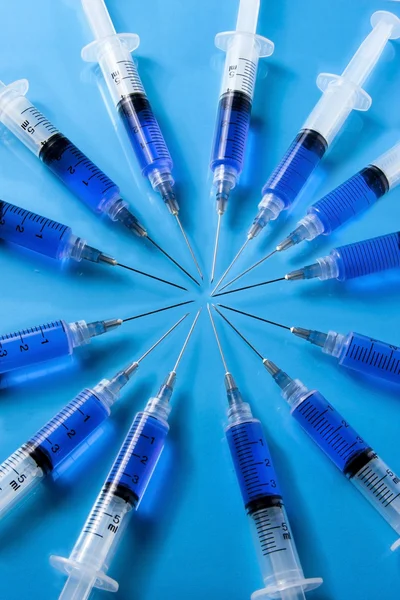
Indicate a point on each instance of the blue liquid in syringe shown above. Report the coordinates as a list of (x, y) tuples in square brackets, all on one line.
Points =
[(78, 172), (67, 430), (297, 165), (138, 456), (332, 434), (233, 122), (253, 465), (144, 133), (32, 231), (353, 197), (369, 256), (44, 342), (372, 357)]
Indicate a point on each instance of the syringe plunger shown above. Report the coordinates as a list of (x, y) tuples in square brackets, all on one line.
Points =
[(248, 16), (98, 18)]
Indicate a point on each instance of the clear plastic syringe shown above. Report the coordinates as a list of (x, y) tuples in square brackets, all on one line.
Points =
[(55, 240), (113, 53), (122, 491), (26, 347), (354, 350), (340, 442), (341, 94), (277, 554), (57, 445), (345, 262), (81, 176), (353, 197), (243, 49)]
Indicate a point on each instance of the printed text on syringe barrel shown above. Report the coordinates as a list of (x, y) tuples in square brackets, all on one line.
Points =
[(259, 486), (351, 198), (77, 171), (33, 231), (372, 357), (137, 459), (36, 344)]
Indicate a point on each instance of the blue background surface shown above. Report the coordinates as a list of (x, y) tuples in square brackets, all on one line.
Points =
[(190, 538)]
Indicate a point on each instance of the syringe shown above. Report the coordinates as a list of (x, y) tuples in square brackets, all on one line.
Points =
[(341, 94), (276, 551), (354, 350), (122, 491), (243, 49), (82, 177), (356, 195), (21, 349), (113, 53), (57, 445), (340, 442), (55, 240), (346, 262)]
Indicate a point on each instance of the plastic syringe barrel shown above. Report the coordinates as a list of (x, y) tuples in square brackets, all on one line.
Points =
[(351, 198), (26, 347), (122, 491), (347, 450), (341, 94), (354, 260), (243, 49), (55, 447), (364, 354), (276, 550), (42, 235), (113, 53), (354, 196), (81, 176)]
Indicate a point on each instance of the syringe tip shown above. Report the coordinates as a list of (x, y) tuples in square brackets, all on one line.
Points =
[(130, 370), (109, 260), (300, 332), (295, 275), (285, 244), (271, 367), (165, 391), (112, 324)]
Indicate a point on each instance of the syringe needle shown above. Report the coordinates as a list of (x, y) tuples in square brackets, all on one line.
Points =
[(158, 310), (188, 245), (249, 269), (216, 247), (139, 360), (230, 266), (240, 334), (172, 259), (242, 312), (217, 338), (151, 276), (189, 335), (248, 287)]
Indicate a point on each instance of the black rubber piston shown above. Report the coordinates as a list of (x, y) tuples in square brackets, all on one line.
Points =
[(123, 492), (313, 141), (264, 502), (358, 462), (42, 460), (54, 147), (376, 180)]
